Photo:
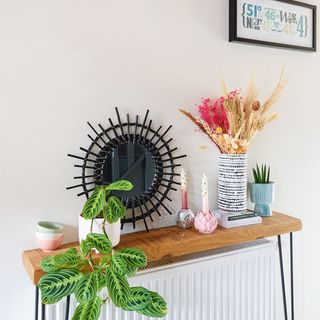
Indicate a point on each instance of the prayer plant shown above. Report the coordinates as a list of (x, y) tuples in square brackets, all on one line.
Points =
[(96, 279)]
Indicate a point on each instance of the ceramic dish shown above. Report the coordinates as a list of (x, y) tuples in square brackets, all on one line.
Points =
[(49, 227), (49, 245), (47, 236)]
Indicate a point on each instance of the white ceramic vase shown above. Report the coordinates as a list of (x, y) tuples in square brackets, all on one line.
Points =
[(232, 182), (112, 230)]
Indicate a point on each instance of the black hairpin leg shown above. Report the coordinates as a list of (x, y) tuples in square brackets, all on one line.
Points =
[(43, 311), (67, 308), (36, 304), (282, 280), (291, 273)]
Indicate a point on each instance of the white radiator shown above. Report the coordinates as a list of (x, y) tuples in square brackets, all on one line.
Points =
[(235, 283)]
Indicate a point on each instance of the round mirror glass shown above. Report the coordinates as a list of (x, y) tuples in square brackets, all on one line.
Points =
[(131, 162)]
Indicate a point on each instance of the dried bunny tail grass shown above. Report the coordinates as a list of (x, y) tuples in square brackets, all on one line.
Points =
[(193, 119), (243, 146), (239, 131), (246, 117), (234, 145), (227, 144), (224, 88), (235, 114), (232, 122), (251, 97), (239, 112), (212, 136), (248, 129), (202, 125), (275, 95), (271, 117), (261, 123)]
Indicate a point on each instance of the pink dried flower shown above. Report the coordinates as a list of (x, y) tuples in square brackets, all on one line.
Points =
[(232, 94), (214, 114)]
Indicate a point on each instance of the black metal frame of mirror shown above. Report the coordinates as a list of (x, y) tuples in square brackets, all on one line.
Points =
[(96, 160)]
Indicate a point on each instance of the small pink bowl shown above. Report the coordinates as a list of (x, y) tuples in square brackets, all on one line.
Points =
[(49, 245)]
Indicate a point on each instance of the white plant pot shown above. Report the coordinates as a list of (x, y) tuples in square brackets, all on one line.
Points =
[(112, 230)]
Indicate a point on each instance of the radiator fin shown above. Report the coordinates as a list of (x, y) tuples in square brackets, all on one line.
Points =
[(234, 283)]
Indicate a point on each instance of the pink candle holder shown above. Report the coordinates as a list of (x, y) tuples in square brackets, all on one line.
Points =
[(205, 222)]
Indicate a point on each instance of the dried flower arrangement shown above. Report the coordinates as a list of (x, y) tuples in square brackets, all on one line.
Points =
[(232, 121)]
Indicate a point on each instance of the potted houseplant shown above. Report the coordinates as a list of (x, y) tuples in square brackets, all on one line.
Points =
[(108, 218), (89, 276), (262, 191)]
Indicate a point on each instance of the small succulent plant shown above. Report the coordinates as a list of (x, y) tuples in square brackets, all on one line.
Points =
[(261, 174)]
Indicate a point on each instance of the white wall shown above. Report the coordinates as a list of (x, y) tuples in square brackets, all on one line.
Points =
[(65, 62)]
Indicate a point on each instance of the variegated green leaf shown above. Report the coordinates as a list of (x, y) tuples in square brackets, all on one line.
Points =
[(47, 265), (101, 279), (118, 265), (116, 208), (131, 271), (72, 251), (109, 215), (48, 300), (86, 288), (67, 260), (157, 308), (99, 241), (105, 260), (95, 203), (118, 288), (139, 299), (121, 185), (84, 247), (133, 257), (59, 283), (88, 310)]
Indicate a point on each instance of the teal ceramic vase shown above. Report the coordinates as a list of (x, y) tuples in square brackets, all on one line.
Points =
[(262, 195)]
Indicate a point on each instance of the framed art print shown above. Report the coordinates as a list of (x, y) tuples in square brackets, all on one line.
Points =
[(278, 23)]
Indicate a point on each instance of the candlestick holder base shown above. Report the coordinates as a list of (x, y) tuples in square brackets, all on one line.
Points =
[(185, 218), (205, 222)]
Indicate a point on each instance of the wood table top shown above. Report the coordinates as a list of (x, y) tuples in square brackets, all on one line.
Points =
[(168, 242)]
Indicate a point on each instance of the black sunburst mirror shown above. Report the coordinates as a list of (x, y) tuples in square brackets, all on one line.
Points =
[(134, 151)]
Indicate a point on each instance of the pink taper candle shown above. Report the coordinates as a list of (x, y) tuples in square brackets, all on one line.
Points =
[(184, 194), (205, 200)]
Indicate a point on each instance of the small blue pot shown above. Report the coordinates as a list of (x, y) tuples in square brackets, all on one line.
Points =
[(262, 195)]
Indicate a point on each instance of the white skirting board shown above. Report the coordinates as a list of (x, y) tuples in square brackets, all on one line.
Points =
[(235, 283)]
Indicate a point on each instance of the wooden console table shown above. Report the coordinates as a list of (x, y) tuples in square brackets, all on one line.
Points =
[(171, 242)]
